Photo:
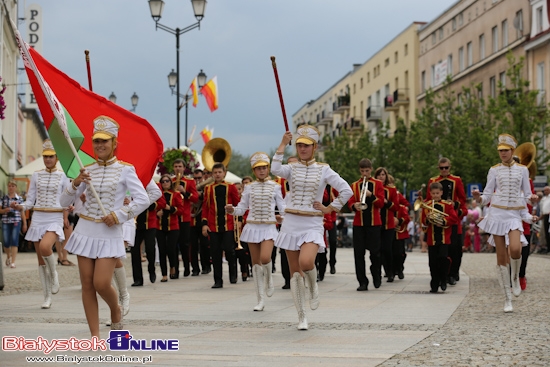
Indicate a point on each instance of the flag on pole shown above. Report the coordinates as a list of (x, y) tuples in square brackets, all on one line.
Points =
[(210, 93), (66, 100), (195, 90), (206, 134)]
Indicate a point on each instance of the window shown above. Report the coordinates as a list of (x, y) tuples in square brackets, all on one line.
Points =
[(504, 29), (434, 39), (387, 89), (354, 88), (481, 47), (538, 20), (459, 99), (494, 33), (432, 83), (493, 87), (386, 62), (540, 83), (470, 53), (396, 57), (450, 65), (460, 19), (454, 24), (518, 24), (502, 79), (369, 101), (361, 83), (461, 59), (423, 81), (441, 33), (480, 91), (406, 49)]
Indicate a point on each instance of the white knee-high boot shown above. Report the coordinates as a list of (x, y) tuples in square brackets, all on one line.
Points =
[(298, 290), (46, 286), (50, 263), (311, 279), (119, 277), (515, 265), (259, 275), (503, 276), (268, 279)]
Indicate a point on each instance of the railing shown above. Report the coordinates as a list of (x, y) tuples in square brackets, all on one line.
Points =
[(374, 113), (401, 96), (388, 103)]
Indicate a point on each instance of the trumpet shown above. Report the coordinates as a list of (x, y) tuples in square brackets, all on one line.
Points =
[(363, 195), (418, 204), (237, 233)]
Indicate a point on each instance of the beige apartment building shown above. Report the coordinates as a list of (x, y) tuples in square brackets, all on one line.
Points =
[(380, 90), (469, 42)]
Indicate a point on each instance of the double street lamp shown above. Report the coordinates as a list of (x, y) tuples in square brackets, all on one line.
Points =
[(156, 7), (134, 98)]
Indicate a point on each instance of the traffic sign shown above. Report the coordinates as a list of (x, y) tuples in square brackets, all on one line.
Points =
[(473, 186)]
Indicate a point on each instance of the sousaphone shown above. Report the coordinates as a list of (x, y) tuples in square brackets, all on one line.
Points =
[(216, 150), (527, 153)]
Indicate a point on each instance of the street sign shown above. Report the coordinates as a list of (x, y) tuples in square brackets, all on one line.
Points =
[(473, 186), (413, 196)]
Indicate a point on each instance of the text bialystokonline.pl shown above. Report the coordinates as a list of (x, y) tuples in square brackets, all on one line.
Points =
[(63, 358)]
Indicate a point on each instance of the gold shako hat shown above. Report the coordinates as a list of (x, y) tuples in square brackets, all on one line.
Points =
[(105, 128), (307, 134), (506, 141), (259, 159), (47, 148)]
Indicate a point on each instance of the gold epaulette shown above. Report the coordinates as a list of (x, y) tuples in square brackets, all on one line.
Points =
[(125, 163), (91, 164), (322, 164), (496, 165)]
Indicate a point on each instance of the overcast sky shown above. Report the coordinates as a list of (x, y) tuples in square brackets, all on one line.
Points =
[(315, 42)]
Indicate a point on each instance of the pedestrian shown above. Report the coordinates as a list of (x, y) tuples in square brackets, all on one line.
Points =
[(13, 222), (507, 190), (97, 240), (301, 233)]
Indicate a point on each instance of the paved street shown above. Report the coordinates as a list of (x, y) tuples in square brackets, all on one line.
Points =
[(399, 324)]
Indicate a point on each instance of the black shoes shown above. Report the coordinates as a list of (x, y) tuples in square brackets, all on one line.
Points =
[(332, 269), (400, 274), (244, 277), (362, 287), (205, 271), (233, 280), (377, 282), (443, 285), (433, 290), (152, 277), (390, 278), (273, 269), (452, 281), (286, 286), (186, 273), (320, 277), (137, 284), (195, 273), (217, 285)]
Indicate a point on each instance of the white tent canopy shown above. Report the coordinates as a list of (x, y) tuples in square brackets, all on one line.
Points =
[(30, 168)]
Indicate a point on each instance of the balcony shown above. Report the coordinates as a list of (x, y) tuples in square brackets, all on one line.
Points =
[(401, 97), (541, 99), (353, 124), (326, 118), (389, 105), (374, 113), (342, 104)]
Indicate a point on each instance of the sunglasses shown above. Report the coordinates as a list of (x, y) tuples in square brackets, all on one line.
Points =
[(164, 181), (442, 168)]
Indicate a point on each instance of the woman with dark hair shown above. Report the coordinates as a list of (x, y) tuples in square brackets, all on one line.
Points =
[(13, 221), (387, 213)]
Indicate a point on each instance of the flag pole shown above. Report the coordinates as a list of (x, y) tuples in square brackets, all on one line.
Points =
[(279, 90), (190, 141), (54, 103), (87, 53)]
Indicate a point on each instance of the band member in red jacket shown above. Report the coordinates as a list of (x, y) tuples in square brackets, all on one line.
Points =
[(366, 202), (219, 224), (188, 190), (401, 234), (453, 190), (439, 222)]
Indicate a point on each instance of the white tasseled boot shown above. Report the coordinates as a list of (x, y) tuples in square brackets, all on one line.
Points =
[(298, 289), (503, 276), (515, 265), (119, 277), (259, 275), (268, 279), (311, 280), (50, 263), (46, 286)]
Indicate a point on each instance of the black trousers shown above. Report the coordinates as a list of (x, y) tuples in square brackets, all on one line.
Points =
[(386, 244), (367, 238), (546, 226), (244, 258), (285, 269), (321, 262), (147, 235), (398, 255), (183, 240), (199, 245), (525, 250), (332, 243), (223, 242), (167, 242), (439, 264), (455, 252)]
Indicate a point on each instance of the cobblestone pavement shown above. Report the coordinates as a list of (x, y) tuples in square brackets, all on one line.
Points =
[(479, 333)]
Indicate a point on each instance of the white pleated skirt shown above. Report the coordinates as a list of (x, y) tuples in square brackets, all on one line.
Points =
[(297, 230), (500, 222), (129, 232), (42, 222), (256, 233), (96, 240)]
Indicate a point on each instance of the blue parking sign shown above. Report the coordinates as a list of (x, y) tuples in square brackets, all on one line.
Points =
[(473, 186), (413, 196)]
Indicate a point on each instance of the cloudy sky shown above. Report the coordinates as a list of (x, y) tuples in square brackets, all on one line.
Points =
[(315, 42)]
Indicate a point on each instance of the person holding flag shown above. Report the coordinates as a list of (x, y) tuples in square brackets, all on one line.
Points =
[(48, 218), (97, 239)]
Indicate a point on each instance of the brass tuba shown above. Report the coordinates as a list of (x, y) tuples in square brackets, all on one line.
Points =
[(216, 150), (527, 153)]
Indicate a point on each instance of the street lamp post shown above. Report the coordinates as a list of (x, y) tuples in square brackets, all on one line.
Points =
[(172, 81), (156, 7), (134, 99)]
